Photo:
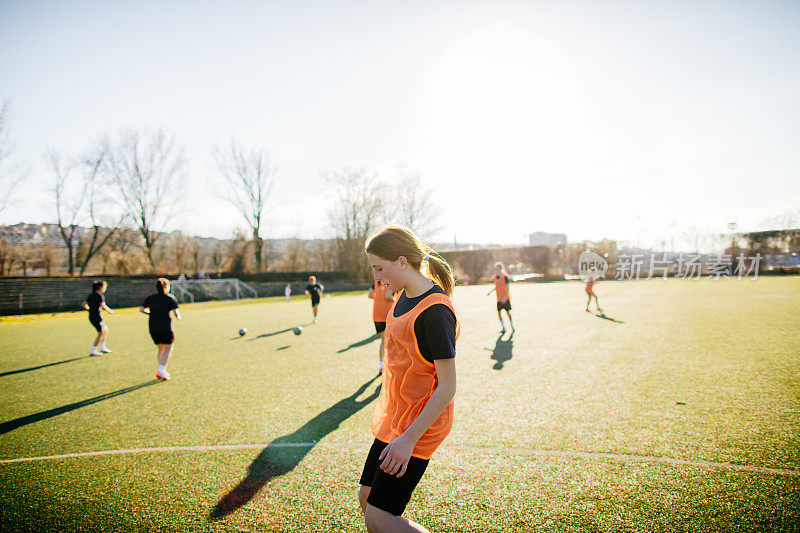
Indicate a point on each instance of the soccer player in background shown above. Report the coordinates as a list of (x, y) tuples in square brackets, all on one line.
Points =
[(590, 283), (95, 303), (501, 281), (314, 290), (158, 306), (287, 291), (414, 412), (381, 303)]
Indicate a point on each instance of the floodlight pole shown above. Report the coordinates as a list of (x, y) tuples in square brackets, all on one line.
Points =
[(732, 230)]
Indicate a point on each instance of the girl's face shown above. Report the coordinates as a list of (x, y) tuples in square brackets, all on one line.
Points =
[(390, 273), (498, 269), (103, 289)]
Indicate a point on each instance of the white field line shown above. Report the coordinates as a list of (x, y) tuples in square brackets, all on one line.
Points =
[(484, 449)]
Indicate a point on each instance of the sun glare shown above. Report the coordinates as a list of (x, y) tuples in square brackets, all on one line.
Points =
[(503, 94)]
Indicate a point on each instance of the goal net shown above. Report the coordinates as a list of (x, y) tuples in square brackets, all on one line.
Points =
[(198, 290)]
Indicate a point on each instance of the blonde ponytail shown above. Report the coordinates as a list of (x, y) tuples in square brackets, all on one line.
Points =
[(441, 272), (390, 242)]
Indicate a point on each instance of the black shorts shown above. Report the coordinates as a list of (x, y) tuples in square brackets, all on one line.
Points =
[(390, 493), (162, 337), (380, 327), (504, 305), (314, 301), (97, 322)]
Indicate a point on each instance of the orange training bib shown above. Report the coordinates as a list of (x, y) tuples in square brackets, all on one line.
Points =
[(409, 381), (380, 305), (501, 287)]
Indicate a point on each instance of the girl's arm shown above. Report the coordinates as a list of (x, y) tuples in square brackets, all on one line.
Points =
[(85, 305), (177, 313), (370, 294), (107, 308), (398, 452), (321, 288), (142, 310)]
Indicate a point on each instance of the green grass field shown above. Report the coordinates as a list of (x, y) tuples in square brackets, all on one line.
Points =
[(678, 411)]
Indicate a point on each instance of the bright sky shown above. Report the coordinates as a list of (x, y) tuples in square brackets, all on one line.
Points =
[(598, 119)]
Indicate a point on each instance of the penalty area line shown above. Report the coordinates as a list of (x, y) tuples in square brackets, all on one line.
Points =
[(479, 449)]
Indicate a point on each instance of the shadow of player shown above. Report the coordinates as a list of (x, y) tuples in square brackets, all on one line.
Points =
[(363, 342), (502, 351), (611, 319), (11, 425), (283, 454), (20, 371)]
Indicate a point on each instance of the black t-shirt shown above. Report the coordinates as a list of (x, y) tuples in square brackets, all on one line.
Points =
[(435, 327), (95, 302), (314, 290), (160, 305)]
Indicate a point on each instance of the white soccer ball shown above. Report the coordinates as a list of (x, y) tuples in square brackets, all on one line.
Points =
[(243, 332)]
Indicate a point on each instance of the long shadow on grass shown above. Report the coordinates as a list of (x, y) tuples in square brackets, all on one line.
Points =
[(11, 425), (605, 317), (271, 334), (502, 351), (363, 342), (283, 454), (21, 370)]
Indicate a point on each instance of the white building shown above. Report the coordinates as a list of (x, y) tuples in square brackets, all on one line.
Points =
[(541, 238)]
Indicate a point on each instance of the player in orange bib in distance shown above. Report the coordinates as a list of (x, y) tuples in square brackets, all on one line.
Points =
[(590, 283), (414, 412), (381, 303), (501, 281)]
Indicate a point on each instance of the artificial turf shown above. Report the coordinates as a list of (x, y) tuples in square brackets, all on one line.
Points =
[(655, 416)]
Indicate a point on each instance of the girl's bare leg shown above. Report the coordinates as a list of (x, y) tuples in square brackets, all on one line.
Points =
[(164, 355)]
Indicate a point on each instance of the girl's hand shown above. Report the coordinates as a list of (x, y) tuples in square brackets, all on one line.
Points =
[(395, 456)]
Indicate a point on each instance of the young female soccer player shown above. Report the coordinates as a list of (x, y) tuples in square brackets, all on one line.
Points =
[(95, 303), (590, 282), (159, 306), (381, 303), (314, 290), (414, 412), (501, 281)]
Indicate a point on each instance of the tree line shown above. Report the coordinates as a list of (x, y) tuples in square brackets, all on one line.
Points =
[(114, 205)]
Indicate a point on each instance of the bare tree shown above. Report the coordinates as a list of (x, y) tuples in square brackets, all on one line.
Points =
[(178, 250), (787, 220), (695, 238), (147, 172), (99, 236), (24, 254), (124, 246), (323, 255), (48, 258), (218, 255), (196, 253), (78, 199), (238, 253), (354, 216), (6, 257), (295, 256), (249, 177), (71, 195), (415, 209), (10, 175)]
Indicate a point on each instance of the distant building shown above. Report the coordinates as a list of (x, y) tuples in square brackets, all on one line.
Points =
[(540, 238)]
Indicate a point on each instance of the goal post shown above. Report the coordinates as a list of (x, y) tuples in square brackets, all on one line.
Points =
[(213, 289)]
